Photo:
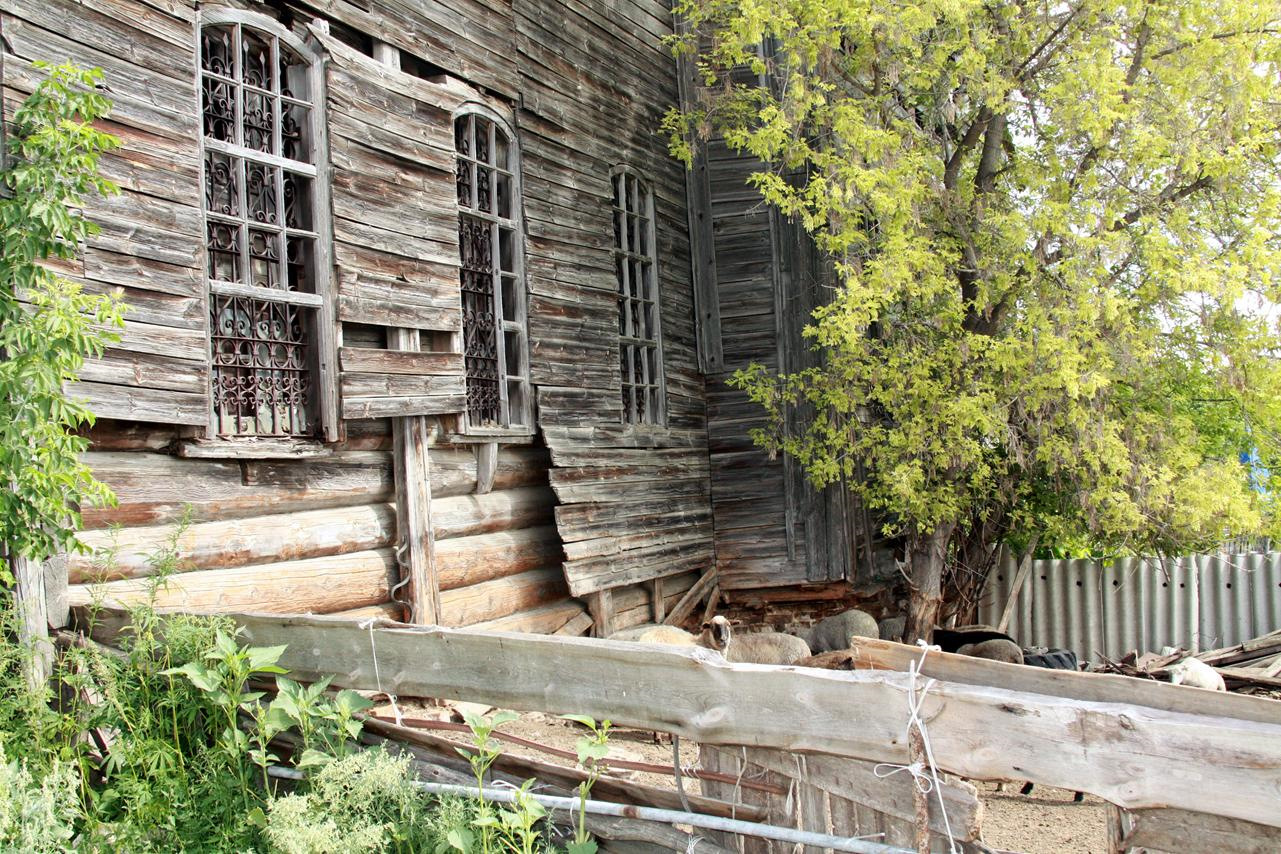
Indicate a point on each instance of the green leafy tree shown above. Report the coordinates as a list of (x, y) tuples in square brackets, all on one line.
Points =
[(1054, 226), (48, 325)]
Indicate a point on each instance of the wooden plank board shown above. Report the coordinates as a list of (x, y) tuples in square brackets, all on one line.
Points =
[(1138, 756)]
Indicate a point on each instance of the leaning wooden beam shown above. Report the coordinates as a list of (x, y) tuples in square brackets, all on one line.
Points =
[(690, 600), (1136, 755)]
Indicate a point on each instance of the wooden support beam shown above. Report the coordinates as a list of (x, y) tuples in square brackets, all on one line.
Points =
[(601, 606), (1135, 754), (690, 600), (656, 599), (486, 466), (33, 620)]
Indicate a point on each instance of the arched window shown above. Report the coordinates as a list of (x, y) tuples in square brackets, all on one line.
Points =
[(264, 224), (493, 280), (640, 348)]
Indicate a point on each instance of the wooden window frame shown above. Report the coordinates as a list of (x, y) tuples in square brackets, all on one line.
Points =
[(523, 427), (320, 300), (624, 256)]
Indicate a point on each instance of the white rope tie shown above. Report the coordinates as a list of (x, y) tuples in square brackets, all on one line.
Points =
[(924, 773), (378, 679)]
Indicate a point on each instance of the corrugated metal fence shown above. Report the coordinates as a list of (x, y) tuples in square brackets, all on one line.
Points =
[(1111, 607)]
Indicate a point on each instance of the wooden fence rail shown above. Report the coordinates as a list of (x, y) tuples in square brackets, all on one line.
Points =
[(1136, 756)]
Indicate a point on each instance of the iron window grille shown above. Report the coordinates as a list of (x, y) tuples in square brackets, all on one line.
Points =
[(260, 90), (495, 349), (640, 349)]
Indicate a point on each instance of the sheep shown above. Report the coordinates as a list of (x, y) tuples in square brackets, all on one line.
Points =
[(665, 635), (996, 649), (892, 628), (760, 648), (1198, 674), (835, 632)]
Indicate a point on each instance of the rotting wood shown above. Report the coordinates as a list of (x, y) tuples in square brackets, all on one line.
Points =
[(893, 795), (611, 787), (690, 600), (486, 465), (416, 549), (33, 620), (1135, 755), (601, 607), (877, 654), (1186, 832)]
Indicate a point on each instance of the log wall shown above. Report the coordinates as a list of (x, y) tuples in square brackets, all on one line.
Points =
[(588, 505)]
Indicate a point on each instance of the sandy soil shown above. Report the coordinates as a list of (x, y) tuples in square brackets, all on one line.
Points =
[(1043, 822)]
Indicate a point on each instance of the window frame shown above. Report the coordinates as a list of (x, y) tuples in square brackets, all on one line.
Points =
[(658, 419), (516, 223), (320, 300)]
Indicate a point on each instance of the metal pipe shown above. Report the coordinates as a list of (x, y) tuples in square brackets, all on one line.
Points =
[(693, 819)]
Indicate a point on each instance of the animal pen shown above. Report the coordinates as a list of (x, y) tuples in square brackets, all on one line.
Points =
[(426, 329)]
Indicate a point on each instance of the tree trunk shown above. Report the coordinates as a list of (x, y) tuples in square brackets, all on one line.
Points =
[(927, 554)]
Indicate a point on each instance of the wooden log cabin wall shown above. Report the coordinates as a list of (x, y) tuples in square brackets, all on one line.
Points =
[(764, 277), (298, 345)]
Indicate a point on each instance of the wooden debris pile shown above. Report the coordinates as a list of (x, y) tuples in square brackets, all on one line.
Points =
[(1252, 667)]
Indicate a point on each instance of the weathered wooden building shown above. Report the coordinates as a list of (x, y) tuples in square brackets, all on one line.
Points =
[(423, 316)]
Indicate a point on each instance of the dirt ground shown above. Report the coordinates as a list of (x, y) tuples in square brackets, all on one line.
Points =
[(1043, 822)]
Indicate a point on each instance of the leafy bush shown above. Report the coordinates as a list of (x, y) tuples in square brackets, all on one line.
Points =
[(48, 325)]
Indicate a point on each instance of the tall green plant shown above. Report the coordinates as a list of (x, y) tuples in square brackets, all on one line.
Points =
[(1056, 231), (48, 325)]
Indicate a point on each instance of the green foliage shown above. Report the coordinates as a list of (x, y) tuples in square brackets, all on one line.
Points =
[(37, 815), (48, 326), (591, 749), (361, 802), (1050, 222)]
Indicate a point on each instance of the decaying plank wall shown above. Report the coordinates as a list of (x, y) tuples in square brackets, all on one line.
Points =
[(602, 506), (634, 500), (152, 233)]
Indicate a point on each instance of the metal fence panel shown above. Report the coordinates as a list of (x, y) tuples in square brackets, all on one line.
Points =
[(1109, 608)]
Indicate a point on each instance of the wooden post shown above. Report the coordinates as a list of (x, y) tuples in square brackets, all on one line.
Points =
[(415, 539), (601, 605), (1115, 829), (33, 620), (656, 596), (486, 466), (1020, 578)]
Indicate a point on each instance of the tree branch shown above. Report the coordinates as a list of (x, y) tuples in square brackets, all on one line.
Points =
[(971, 139), (1261, 31)]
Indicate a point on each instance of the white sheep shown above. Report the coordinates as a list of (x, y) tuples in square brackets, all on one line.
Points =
[(665, 635), (1198, 674)]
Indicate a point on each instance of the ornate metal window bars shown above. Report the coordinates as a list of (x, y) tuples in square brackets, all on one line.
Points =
[(261, 232), (640, 350), (493, 284)]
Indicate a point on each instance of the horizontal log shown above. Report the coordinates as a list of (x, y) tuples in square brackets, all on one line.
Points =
[(462, 561), (1137, 756), (155, 488), (506, 510), (544, 620), (1094, 687), (239, 542), (136, 403), (316, 585), (501, 597)]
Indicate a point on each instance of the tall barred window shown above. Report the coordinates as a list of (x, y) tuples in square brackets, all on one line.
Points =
[(493, 281), (259, 103), (640, 348)]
